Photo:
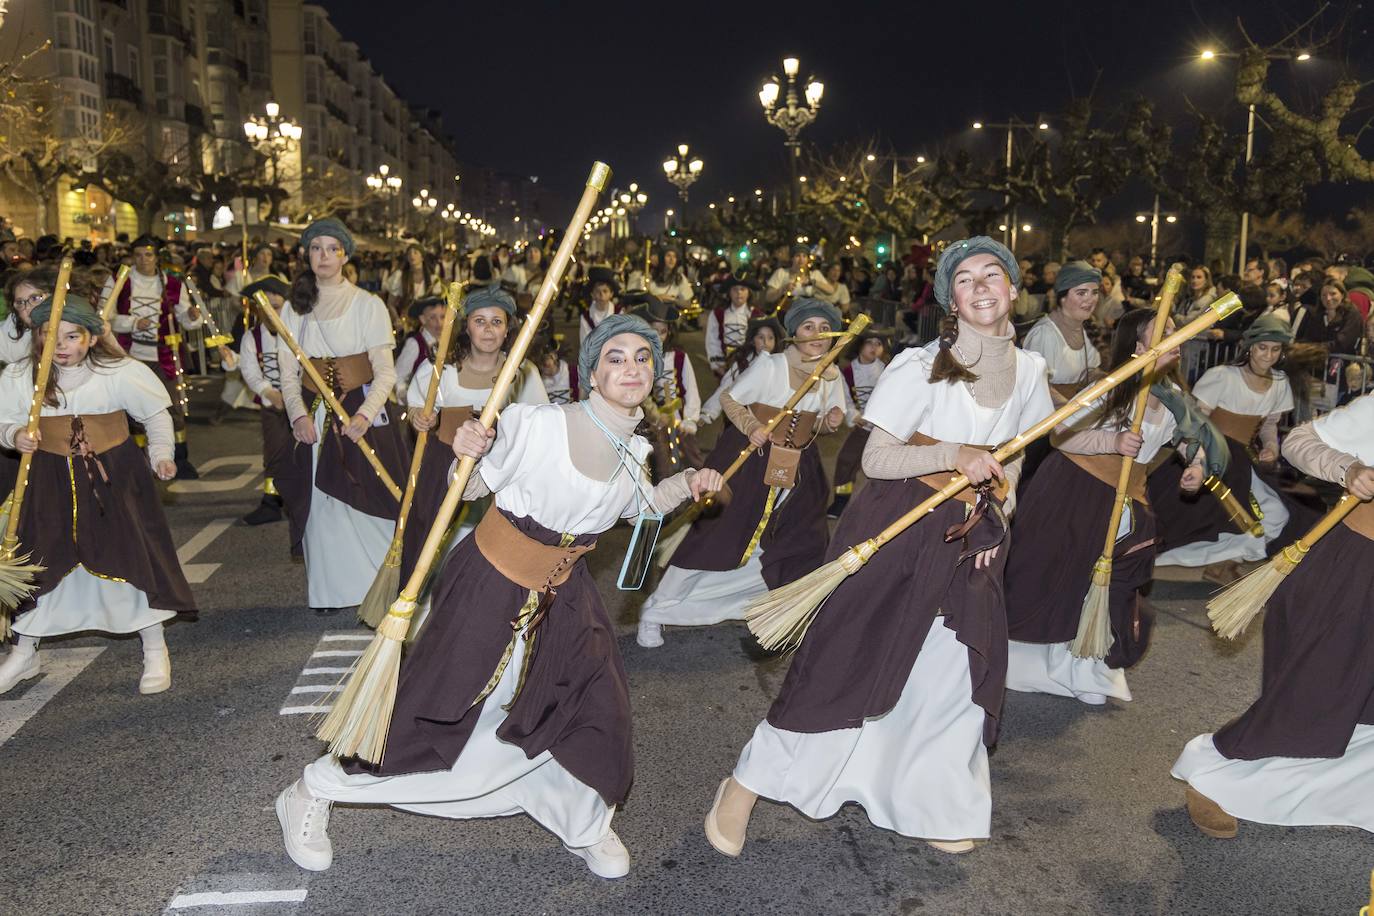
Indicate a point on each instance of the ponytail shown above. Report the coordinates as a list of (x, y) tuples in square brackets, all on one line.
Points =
[(946, 367), (305, 291)]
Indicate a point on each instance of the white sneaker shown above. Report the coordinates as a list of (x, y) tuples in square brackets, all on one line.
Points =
[(953, 847), (18, 666), (304, 827), (650, 635), (1092, 699), (607, 859), (157, 671)]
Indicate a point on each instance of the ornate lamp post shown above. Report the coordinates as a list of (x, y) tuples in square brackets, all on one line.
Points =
[(383, 183), (424, 204), (792, 116), (272, 135), (681, 171)]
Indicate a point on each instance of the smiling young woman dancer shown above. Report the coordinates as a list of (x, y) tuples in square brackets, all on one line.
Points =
[(897, 687), (491, 722)]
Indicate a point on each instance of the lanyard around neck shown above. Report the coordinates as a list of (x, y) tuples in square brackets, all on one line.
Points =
[(628, 462)]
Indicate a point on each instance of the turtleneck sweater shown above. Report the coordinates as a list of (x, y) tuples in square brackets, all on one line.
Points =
[(799, 370), (333, 302)]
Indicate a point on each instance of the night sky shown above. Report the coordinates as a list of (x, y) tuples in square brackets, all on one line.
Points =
[(545, 89)]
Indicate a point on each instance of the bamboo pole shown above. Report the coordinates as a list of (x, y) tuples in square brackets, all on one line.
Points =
[(387, 584), (107, 308), (270, 315), (1094, 638), (358, 723), (781, 617), (16, 573)]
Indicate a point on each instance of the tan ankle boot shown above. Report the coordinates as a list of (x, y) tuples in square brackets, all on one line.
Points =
[(728, 820), (1209, 817)]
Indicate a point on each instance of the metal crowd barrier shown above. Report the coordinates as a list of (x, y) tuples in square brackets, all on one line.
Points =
[(888, 313)]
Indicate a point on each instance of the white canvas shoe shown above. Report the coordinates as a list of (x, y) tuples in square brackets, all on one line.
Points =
[(157, 671), (650, 635), (607, 859), (19, 665), (304, 827)]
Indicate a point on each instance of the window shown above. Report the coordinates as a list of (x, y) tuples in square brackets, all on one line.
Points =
[(110, 65), (135, 67), (85, 37), (84, 8)]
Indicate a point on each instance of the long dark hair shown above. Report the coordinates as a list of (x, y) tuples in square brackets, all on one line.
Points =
[(1133, 328), (946, 368), (101, 354), (40, 278), (408, 277), (743, 357), (305, 289), (1296, 365), (460, 347)]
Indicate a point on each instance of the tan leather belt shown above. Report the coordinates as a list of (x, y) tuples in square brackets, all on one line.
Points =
[(450, 418), (1238, 426), (939, 479), (1107, 468), (802, 429), (102, 432), (341, 373), (521, 559), (1361, 520)]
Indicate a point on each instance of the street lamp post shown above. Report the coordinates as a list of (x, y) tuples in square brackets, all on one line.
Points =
[(424, 204), (1153, 218), (792, 116), (681, 171), (1009, 226), (387, 185), (274, 135), (631, 201)]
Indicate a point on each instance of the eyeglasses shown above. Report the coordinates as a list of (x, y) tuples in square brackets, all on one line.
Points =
[(31, 301)]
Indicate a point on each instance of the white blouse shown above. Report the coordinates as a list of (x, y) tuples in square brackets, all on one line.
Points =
[(1157, 432), (1224, 387), (11, 350), (905, 401), (559, 385), (768, 380), (527, 388), (260, 370), (1350, 429), (363, 325), (530, 472), (1066, 365)]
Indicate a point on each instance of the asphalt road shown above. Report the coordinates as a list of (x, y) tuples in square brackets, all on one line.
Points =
[(122, 804)]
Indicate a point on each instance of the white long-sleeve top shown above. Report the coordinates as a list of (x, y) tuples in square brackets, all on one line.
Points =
[(407, 359), (666, 385), (126, 385), (466, 389), (260, 370), (345, 320), (145, 301), (711, 409), (1343, 437), (866, 377), (1224, 387), (1066, 365), (12, 350)]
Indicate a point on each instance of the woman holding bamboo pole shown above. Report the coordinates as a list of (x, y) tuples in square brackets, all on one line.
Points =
[(93, 519), (1245, 400), (1303, 753), (515, 698), (475, 358), (770, 533), (1059, 531), (347, 512), (897, 686)]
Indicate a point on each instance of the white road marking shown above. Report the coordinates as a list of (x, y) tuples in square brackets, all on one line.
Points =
[(236, 898), (337, 653), (252, 465), (197, 573), (347, 637), (59, 668), (304, 710), (317, 688), (308, 671), (309, 681)]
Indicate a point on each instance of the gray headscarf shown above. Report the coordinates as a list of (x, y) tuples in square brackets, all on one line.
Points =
[(485, 297), (804, 307), (332, 228), (611, 326), (958, 252), (1076, 273)]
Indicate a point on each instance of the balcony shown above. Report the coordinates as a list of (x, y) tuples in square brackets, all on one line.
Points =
[(165, 24), (119, 87), (195, 118)]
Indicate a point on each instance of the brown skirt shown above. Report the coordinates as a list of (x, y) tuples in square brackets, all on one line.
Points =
[(431, 486), (575, 701), (343, 472), (278, 443), (858, 654), (1318, 679), (793, 544), (1052, 567), (116, 529)]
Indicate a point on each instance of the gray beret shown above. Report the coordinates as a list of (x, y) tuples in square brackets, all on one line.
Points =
[(332, 228), (1076, 273), (612, 326), (804, 307), (76, 310), (958, 252), (486, 297)]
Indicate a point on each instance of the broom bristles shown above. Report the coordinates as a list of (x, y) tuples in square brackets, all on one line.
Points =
[(1241, 602), (357, 726), (781, 618), (1094, 637), (380, 596), (17, 577)]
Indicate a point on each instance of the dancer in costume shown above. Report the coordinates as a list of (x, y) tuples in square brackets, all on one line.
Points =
[(769, 534), (1245, 401), (428, 314), (261, 372), (490, 724), (23, 291), (860, 375), (1303, 753), (1059, 533), (93, 518), (1060, 336), (602, 290), (898, 684), (152, 310), (475, 358), (727, 327), (347, 514), (764, 335), (675, 430), (559, 378)]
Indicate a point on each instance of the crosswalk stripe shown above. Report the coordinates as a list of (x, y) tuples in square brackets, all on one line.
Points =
[(325, 671), (304, 710), (346, 637), (337, 653), (317, 688), (236, 898)]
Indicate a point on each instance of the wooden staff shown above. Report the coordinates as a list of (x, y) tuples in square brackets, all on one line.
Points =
[(1239, 515), (673, 533), (16, 573), (107, 308), (358, 723), (387, 584), (270, 315), (1094, 637), (782, 616), (1232, 610), (220, 341)]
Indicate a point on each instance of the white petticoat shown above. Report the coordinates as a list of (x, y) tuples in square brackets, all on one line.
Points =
[(920, 769), (1287, 791), (1051, 668), (85, 602), (490, 778), (1234, 545)]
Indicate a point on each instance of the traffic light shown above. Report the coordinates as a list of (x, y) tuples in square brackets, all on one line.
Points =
[(882, 249), (744, 253)]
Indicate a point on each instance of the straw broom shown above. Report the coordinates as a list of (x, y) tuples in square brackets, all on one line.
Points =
[(357, 725), (1094, 638), (1240, 602), (387, 585), (279, 328), (107, 308), (781, 617), (16, 572), (676, 532)]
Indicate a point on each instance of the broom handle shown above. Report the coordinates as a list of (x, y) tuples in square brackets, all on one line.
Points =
[(1218, 310), (21, 483), (596, 183), (455, 292), (1344, 507), (325, 391), (1172, 283), (107, 308)]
